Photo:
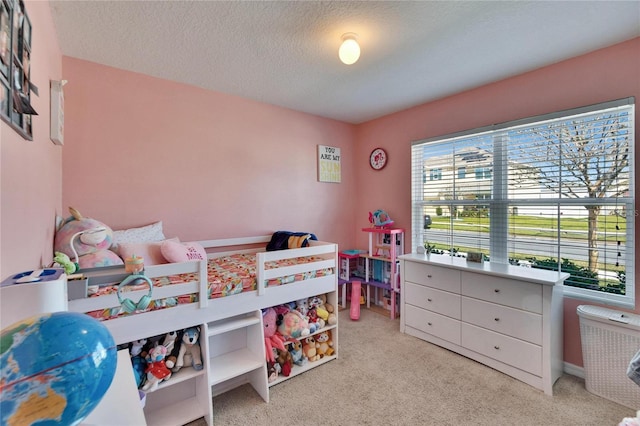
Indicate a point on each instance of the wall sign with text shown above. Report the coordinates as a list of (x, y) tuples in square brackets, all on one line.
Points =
[(328, 164)]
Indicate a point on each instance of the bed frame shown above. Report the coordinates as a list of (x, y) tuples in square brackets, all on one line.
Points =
[(237, 316)]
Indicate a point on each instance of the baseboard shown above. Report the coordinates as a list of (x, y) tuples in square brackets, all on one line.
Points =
[(574, 370)]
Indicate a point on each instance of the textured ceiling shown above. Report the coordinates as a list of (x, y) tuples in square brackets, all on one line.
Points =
[(285, 53)]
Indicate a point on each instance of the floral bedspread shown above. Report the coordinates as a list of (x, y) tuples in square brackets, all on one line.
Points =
[(226, 276)]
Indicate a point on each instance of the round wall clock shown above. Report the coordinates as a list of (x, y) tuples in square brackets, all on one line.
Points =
[(378, 158)]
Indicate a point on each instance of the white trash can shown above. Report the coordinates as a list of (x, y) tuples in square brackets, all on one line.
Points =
[(610, 339)]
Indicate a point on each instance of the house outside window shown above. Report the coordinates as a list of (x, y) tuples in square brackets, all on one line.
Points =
[(552, 192)]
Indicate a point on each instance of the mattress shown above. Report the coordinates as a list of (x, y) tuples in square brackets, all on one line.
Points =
[(226, 276)]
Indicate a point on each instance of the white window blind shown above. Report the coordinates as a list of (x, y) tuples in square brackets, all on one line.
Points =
[(551, 192)]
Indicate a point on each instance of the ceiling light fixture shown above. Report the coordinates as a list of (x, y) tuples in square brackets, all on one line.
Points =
[(349, 51)]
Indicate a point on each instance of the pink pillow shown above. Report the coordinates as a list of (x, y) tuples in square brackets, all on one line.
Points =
[(150, 252), (175, 252)]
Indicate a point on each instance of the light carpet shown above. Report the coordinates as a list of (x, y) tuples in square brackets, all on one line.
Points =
[(383, 377)]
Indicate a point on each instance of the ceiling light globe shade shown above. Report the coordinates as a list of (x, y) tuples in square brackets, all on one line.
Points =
[(349, 51)]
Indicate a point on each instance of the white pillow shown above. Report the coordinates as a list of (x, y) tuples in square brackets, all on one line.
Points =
[(151, 253), (144, 234)]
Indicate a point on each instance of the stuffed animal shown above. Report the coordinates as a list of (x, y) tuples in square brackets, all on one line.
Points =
[(302, 306), (295, 349), (294, 325), (325, 310), (273, 370), (283, 357), (92, 248), (170, 341), (137, 361), (316, 313), (157, 370), (324, 344), (309, 349), (271, 337), (189, 353), (380, 218), (64, 261)]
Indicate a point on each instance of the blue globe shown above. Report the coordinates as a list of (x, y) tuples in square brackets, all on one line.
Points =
[(55, 368)]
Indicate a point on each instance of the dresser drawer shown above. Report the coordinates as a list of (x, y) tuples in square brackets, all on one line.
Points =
[(438, 301), (516, 323), (435, 324), (517, 353), (514, 293), (433, 276)]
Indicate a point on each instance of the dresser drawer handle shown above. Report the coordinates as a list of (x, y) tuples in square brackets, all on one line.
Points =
[(496, 348), (429, 324), (428, 275), (497, 290), (496, 319), (428, 299)]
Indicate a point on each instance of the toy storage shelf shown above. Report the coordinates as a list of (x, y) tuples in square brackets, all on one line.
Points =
[(186, 388), (299, 369), (186, 373), (179, 403)]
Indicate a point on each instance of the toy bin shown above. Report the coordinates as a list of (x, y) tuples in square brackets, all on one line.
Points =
[(610, 339)]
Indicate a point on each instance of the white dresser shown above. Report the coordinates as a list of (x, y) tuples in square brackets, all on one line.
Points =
[(506, 317)]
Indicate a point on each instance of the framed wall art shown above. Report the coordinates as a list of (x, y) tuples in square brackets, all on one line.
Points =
[(57, 112), (15, 68), (329, 164)]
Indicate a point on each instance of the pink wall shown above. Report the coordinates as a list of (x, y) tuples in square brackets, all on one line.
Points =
[(31, 171), (209, 165), (600, 76)]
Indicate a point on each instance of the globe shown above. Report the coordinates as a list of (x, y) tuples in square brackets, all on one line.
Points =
[(55, 369)]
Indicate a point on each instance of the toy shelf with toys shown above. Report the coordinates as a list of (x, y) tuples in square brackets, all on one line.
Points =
[(228, 352)]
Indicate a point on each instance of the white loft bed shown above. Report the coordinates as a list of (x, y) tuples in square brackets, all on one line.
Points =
[(145, 324), (232, 339)]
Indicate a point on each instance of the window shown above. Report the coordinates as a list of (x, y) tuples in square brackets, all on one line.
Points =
[(462, 172), (483, 173), (553, 192), (435, 174)]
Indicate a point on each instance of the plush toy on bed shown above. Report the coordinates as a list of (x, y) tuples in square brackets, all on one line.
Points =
[(64, 262), (91, 241), (189, 353)]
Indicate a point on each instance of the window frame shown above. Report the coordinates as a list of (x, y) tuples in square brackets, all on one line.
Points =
[(498, 245)]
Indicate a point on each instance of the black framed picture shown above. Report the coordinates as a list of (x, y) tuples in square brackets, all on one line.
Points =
[(15, 68), (4, 99), (5, 37)]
